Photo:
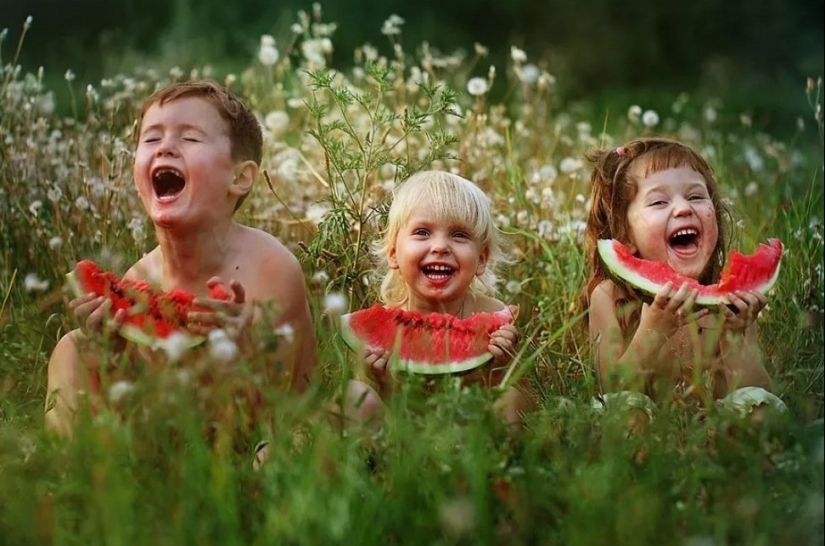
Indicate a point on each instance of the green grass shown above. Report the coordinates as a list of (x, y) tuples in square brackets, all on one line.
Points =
[(444, 470)]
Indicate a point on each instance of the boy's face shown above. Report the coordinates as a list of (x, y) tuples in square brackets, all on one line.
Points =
[(183, 163)]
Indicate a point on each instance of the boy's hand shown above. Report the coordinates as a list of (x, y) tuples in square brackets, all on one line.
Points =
[(503, 341), (94, 315), (233, 314), (747, 307)]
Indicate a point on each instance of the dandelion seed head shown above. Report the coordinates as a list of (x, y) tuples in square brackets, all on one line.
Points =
[(285, 331), (634, 113), (119, 390), (477, 87), (175, 345), (513, 287), (335, 304), (650, 118), (33, 283), (221, 348), (55, 243)]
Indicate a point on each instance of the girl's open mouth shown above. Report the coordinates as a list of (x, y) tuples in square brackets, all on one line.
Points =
[(438, 272)]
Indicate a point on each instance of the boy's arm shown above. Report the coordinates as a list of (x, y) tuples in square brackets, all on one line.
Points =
[(284, 283)]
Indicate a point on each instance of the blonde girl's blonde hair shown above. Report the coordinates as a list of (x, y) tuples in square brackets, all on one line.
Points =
[(452, 199)]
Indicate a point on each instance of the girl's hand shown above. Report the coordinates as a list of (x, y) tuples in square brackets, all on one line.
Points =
[(667, 314), (232, 313), (747, 307), (503, 342), (94, 315), (377, 362)]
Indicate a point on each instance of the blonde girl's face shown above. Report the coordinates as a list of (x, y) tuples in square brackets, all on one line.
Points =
[(673, 220), (438, 261)]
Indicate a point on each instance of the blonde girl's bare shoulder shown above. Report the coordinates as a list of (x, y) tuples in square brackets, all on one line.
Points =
[(487, 304)]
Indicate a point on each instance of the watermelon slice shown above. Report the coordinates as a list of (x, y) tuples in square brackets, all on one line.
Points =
[(151, 314), (755, 272), (430, 344)]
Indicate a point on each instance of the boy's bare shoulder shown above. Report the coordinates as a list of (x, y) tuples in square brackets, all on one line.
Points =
[(146, 268), (269, 250)]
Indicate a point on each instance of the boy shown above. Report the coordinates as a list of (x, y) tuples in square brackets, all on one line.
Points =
[(197, 157)]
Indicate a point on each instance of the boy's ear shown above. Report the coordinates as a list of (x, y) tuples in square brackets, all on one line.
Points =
[(482, 261), (246, 173), (392, 260)]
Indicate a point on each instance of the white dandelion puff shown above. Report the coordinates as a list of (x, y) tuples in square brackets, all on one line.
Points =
[(33, 283), (335, 304), (477, 87), (119, 391), (650, 118), (175, 345)]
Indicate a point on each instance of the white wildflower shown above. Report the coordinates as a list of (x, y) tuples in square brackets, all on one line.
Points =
[(319, 278), (513, 287), (570, 164), (477, 87), (69, 75), (55, 243), (335, 304), (33, 283), (120, 390), (710, 114), (634, 113), (529, 74), (754, 158), (285, 331), (296, 29), (54, 194), (481, 50), (751, 189), (175, 345), (35, 206), (81, 203), (518, 55), (650, 118), (267, 53), (221, 348), (277, 121)]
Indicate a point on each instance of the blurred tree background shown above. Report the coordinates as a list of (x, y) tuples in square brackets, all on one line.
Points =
[(756, 55)]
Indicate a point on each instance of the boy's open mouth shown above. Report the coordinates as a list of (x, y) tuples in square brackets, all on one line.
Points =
[(167, 183), (437, 272), (685, 239)]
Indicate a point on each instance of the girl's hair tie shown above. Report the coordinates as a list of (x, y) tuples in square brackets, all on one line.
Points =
[(621, 151)]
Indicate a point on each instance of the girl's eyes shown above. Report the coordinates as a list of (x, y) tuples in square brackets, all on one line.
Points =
[(421, 232), (461, 235)]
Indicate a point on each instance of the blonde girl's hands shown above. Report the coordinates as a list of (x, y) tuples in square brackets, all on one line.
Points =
[(225, 309), (666, 314), (503, 342), (377, 362), (94, 315), (746, 308)]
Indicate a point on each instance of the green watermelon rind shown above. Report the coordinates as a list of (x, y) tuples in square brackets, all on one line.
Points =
[(133, 333), (413, 366), (615, 265)]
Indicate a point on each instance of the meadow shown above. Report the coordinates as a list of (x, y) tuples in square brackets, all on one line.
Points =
[(444, 470)]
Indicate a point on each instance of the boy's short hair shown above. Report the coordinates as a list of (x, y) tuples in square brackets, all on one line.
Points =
[(245, 134)]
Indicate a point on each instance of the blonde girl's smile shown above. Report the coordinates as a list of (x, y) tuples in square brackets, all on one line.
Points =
[(437, 259)]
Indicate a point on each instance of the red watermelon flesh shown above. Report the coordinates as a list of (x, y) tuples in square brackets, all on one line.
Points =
[(755, 272), (151, 314), (430, 344)]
